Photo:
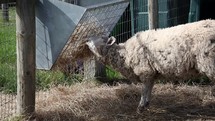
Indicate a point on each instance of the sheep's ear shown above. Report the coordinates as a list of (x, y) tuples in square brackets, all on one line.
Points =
[(111, 41)]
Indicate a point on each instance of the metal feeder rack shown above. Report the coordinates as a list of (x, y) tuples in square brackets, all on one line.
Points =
[(62, 28)]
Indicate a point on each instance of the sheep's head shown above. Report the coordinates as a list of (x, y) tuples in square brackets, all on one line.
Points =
[(100, 45)]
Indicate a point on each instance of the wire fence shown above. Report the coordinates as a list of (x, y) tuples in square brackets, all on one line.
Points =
[(7, 61), (68, 70)]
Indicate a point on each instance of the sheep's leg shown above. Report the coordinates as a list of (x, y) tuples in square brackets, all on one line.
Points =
[(207, 66), (145, 95)]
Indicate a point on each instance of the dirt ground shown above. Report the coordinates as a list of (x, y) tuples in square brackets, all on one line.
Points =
[(92, 102)]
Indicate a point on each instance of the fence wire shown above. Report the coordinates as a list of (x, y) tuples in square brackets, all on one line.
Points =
[(67, 70), (7, 61)]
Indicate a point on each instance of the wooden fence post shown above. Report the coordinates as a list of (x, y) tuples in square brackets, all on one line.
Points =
[(25, 39), (93, 69), (5, 12), (153, 14)]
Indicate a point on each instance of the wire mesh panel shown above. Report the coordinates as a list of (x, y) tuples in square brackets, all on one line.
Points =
[(7, 61), (123, 29), (171, 13)]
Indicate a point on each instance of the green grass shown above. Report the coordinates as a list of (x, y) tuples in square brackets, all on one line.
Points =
[(112, 74), (8, 39), (7, 78), (46, 79), (8, 53)]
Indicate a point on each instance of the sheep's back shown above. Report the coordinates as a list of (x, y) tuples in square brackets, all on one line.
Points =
[(170, 51)]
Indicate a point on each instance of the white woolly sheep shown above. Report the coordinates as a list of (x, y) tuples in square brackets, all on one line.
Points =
[(179, 52)]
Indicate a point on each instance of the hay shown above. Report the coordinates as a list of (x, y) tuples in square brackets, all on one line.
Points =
[(88, 101), (76, 47)]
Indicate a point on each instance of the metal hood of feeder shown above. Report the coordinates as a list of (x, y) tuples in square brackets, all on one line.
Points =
[(61, 26)]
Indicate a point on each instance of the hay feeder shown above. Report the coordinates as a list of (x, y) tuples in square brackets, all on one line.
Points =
[(62, 28)]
